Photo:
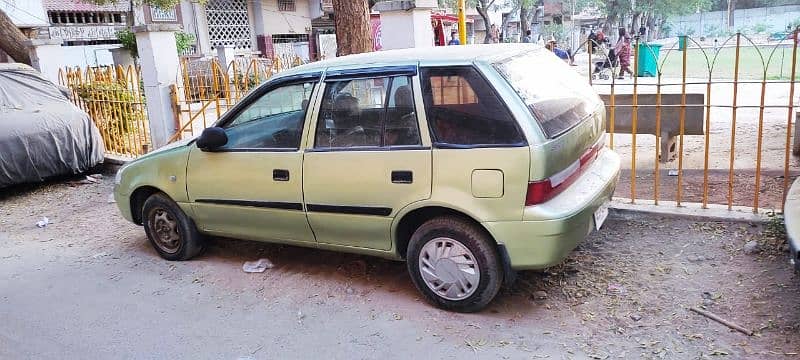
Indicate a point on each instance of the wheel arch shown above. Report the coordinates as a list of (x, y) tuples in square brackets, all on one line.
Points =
[(137, 199), (413, 219)]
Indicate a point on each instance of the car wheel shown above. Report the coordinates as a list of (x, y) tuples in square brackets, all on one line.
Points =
[(171, 232), (455, 264)]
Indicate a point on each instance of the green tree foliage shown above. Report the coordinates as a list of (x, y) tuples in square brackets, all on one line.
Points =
[(128, 40)]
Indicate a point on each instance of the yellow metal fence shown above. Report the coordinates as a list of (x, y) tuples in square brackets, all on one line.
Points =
[(731, 105), (729, 109), (206, 89), (114, 98)]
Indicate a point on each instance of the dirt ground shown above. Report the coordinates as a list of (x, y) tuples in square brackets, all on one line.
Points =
[(89, 285), (770, 194)]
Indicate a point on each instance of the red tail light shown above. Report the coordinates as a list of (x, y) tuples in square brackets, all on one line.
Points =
[(544, 190)]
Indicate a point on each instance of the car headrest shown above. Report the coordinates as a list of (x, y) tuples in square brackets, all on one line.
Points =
[(403, 97), (346, 104)]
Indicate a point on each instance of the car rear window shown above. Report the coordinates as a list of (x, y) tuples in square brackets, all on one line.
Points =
[(557, 96)]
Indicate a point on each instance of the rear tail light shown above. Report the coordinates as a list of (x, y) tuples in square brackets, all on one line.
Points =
[(543, 190)]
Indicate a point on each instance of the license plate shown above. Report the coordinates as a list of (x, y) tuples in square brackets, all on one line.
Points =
[(600, 216)]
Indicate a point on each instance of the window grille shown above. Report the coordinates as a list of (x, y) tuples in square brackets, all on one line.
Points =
[(289, 38), (286, 5), (228, 23)]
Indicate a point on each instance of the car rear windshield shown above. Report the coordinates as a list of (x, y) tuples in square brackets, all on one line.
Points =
[(555, 94)]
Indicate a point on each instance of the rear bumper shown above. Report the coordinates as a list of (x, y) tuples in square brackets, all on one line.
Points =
[(550, 231)]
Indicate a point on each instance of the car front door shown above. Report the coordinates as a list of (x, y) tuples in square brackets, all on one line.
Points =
[(251, 188), (366, 160)]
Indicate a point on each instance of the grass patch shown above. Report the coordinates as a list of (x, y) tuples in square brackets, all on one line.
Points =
[(751, 63)]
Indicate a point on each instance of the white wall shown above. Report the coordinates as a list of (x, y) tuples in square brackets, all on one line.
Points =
[(315, 9), (775, 18), (285, 22), (25, 13), (417, 25), (88, 55)]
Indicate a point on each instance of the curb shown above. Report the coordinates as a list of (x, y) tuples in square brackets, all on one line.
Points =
[(626, 209), (116, 160)]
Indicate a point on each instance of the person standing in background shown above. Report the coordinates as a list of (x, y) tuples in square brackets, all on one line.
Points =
[(454, 39), (528, 38), (494, 34), (623, 52), (592, 40)]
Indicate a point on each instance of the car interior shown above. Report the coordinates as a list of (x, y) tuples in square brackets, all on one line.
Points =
[(345, 123), (467, 120)]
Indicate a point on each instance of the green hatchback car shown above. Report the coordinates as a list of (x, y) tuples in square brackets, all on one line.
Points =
[(468, 162)]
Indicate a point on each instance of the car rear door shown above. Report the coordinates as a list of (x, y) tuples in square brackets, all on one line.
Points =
[(480, 154), (366, 159)]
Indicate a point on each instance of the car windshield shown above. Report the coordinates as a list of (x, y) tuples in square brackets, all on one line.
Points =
[(557, 96)]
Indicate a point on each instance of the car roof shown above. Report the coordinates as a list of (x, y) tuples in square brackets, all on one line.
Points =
[(437, 55)]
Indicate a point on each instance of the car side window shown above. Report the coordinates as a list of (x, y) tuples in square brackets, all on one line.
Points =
[(273, 121), (374, 112), (464, 110)]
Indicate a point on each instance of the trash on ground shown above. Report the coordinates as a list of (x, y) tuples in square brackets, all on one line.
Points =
[(673, 172), (92, 180), (42, 223), (751, 247), (257, 266), (111, 199), (616, 289)]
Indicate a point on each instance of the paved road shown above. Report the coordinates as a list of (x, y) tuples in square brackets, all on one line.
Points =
[(89, 286)]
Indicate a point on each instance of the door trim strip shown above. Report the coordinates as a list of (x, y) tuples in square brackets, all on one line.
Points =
[(350, 210), (259, 204)]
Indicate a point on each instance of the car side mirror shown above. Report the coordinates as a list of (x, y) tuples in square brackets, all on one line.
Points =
[(212, 138)]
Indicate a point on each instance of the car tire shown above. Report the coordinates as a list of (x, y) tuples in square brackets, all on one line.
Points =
[(455, 264), (170, 231)]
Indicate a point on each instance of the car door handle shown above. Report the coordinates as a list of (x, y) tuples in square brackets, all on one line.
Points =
[(402, 177), (280, 175)]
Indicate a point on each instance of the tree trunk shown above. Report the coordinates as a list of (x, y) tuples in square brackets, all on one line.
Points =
[(524, 22), (487, 23), (731, 11), (353, 31), (12, 40), (651, 27), (635, 24)]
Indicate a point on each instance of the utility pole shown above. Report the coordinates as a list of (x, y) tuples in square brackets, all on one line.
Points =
[(462, 22)]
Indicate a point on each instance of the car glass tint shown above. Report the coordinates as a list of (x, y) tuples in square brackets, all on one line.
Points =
[(367, 113), (463, 109), (402, 128), (275, 120), (556, 95)]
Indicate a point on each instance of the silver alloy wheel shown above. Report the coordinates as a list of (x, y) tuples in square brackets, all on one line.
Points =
[(449, 268), (165, 230)]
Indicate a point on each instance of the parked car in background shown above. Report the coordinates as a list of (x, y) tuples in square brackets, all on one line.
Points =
[(791, 216), (467, 162), (42, 134)]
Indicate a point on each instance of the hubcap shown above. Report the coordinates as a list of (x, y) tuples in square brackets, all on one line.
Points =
[(165, 230), (449, 268)]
